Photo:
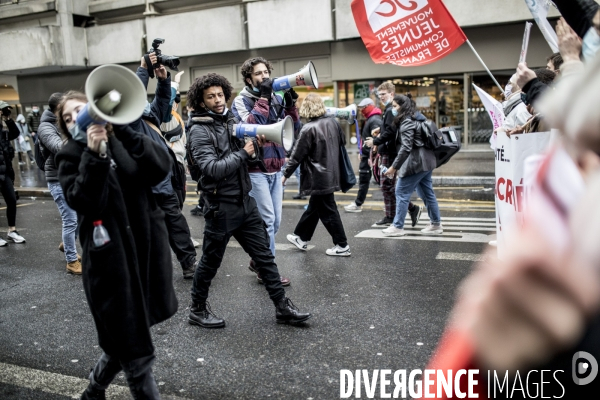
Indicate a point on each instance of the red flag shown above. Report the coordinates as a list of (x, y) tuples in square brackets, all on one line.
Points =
[(407, 33)]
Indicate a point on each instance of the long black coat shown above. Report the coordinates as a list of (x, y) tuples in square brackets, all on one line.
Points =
[(128, 282)]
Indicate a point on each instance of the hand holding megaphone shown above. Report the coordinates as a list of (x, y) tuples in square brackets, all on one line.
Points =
[(97, 138)]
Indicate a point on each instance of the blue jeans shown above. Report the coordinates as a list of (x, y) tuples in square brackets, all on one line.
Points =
[(268, 193), (69, 221), (424, 187)]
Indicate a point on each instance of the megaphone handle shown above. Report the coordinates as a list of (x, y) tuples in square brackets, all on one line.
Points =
[(249, 139), (149, 66), (102, 149)]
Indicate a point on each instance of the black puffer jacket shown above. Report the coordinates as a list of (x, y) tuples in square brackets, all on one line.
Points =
[(374, 121), (7, 152), (51, 143), (413, 157), (224, 169), (317, 152)]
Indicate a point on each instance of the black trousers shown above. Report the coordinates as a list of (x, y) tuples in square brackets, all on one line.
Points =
[(242, 221), (179, 231), (324, 208), (364, 178), (8, 192)]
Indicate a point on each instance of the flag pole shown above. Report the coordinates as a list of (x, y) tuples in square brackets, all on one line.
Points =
[(485, 66)]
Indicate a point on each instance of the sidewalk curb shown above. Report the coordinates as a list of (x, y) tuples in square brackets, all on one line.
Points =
[(463, 180)]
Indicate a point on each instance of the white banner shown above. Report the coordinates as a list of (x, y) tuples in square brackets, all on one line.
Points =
[(510, 190), (539, 11)]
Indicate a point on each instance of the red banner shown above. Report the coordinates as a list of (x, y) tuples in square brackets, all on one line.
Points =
[(407, 33)]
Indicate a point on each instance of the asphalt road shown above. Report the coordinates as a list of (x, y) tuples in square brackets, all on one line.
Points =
[(383, 307)]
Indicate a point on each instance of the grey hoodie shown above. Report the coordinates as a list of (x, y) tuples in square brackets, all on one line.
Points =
[(51, 142)]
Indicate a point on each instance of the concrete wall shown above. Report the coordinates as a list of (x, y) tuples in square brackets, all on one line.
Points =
[(101, 42), (287, 22), (29, 49), (199, 32)]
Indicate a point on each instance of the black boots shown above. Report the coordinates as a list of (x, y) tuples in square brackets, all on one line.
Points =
[(287, 313), (93, 394), (202, 315)]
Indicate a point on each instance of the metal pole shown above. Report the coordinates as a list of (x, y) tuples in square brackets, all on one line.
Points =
[(485, 66), (467, 88)]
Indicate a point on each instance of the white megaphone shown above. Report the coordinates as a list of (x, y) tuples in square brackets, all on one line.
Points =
[(346, 113), (115, 94), (282, 132), (307, 76)]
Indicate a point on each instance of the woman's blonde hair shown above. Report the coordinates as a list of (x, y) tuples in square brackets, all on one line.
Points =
[(312, 106)]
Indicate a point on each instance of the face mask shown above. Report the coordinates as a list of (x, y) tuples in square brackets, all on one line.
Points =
[(36, 110), (224, 111), (385, 103), (394, 112), (591, 44), (78, 134), (147, 110), (255, 89)]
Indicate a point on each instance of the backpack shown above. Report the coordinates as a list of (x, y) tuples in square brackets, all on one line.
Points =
[(39, 152), (432, 136)]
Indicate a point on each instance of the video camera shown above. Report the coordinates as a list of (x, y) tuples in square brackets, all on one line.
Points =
[(170, 62)]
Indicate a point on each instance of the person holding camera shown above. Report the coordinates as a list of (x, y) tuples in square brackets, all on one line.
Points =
[(230, 212), (127, 273), (257, 104), (164, 192), (8, 132)]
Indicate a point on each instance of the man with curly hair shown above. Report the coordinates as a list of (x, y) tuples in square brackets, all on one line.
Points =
[(257, 104), (222, 162)]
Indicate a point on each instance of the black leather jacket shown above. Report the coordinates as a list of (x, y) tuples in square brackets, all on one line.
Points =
[(385, 140), (224, 169), (317, 152), (374, 121), (413, 157)]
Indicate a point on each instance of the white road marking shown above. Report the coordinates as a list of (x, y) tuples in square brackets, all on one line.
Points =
[(460, 256), (63, 385), (416, 235)]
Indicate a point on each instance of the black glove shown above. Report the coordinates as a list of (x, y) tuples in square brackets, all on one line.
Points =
[(266, 89), (290, 97)]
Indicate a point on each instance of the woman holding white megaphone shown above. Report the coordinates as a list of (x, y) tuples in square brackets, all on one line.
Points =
[(106, 173)]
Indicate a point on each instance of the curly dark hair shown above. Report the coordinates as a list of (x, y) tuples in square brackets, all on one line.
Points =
[(248, 67), (195, 95)]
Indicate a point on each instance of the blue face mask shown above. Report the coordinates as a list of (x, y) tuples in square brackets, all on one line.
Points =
[(147, 110), (591, 44), (394, 112), (78, 134)]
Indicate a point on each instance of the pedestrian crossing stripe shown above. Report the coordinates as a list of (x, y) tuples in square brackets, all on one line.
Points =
[(456, 229)]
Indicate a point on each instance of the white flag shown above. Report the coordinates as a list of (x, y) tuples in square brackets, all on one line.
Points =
[(492, 106), (539, 11)]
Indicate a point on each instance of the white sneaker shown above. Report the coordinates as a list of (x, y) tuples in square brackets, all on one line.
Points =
[(352, 208), (299, 243), (393, 231), (339, 251), (3, 242), (196, 243), (15, 237), (433, 229)]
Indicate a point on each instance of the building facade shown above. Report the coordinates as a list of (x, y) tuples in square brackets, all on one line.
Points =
[(52, 45)]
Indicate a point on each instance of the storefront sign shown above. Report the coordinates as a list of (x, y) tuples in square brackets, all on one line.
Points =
[(406, 32)]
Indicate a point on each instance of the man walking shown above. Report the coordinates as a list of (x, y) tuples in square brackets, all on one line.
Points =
[(373, 121), (257, 104), (231, 212)]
